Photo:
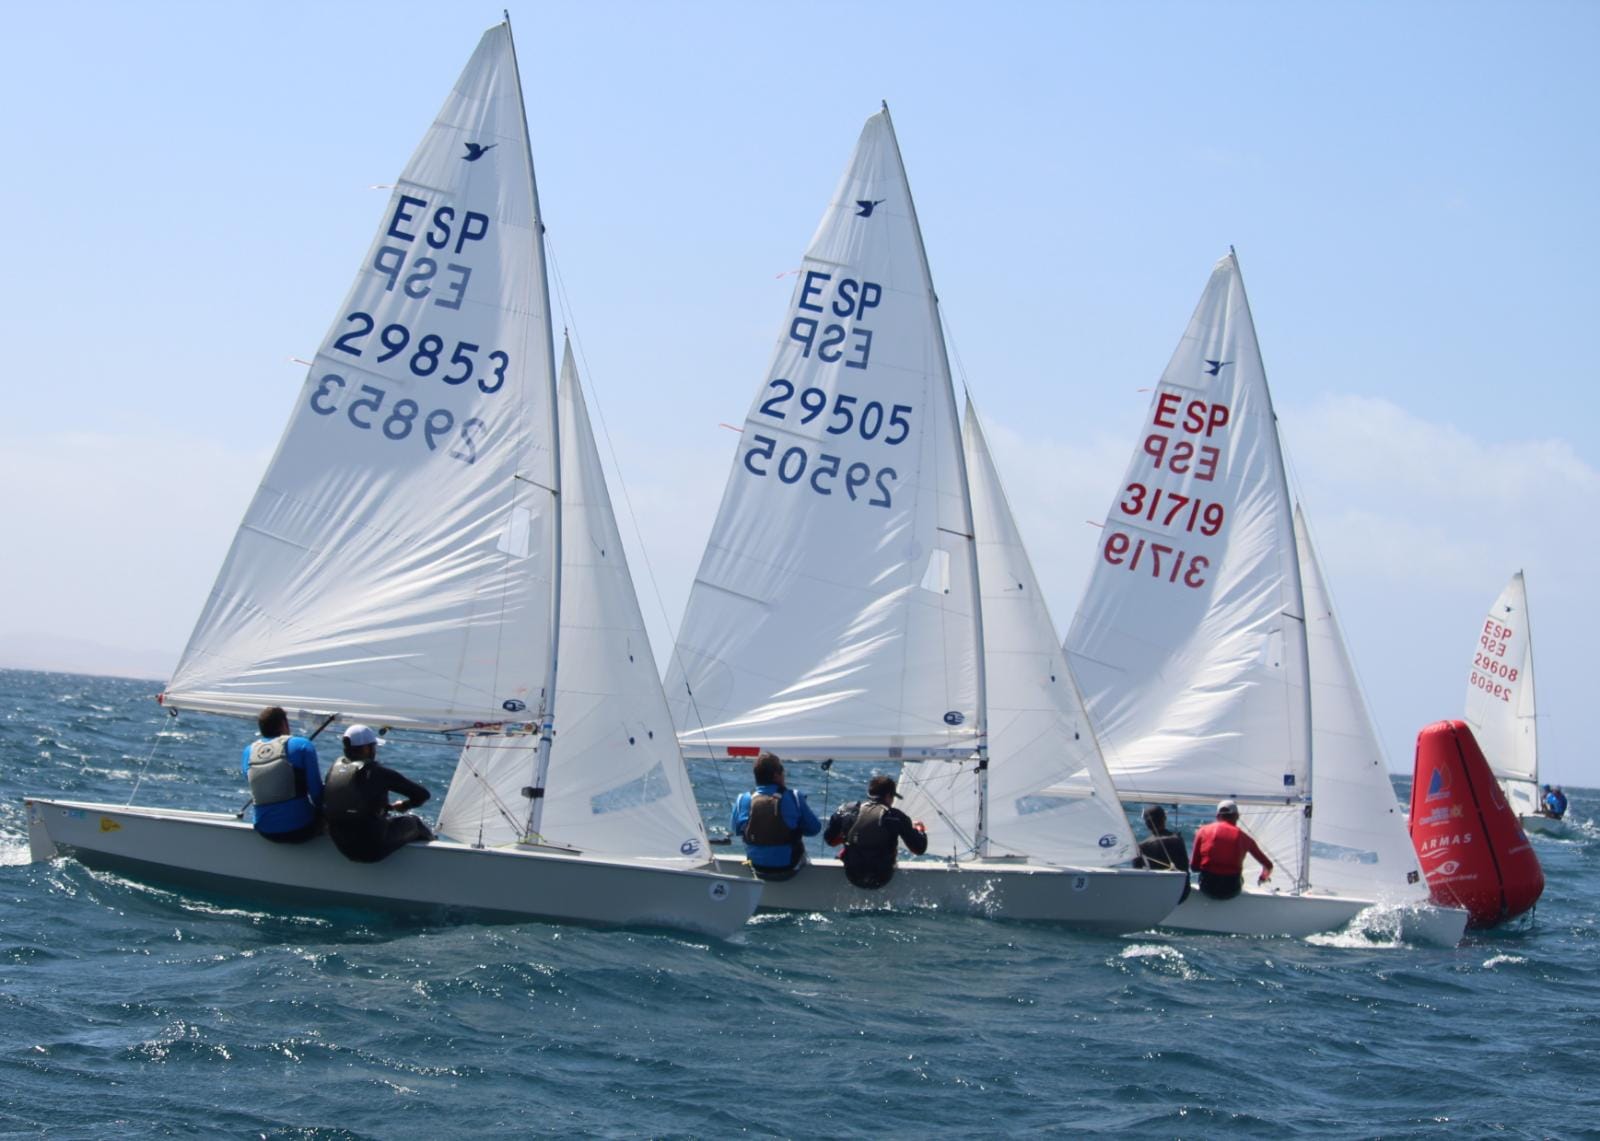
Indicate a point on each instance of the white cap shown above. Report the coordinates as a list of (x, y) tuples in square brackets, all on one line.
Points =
[(1228, 808), (361, 735)]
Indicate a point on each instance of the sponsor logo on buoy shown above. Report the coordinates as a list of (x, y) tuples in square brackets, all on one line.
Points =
[(1439, 785), (719, 891), (512, 705), (954, 717), (1108, 841), (1449, 867)]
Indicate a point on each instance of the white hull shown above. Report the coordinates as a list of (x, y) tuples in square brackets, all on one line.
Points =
[(1106, 900), (1271, 913), (216, 851), (1545, 826)]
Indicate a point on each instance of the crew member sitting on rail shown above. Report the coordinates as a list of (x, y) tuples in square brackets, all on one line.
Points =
[(1219, 851)]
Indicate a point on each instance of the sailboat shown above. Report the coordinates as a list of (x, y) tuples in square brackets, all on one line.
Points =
[(1500, 704), (402, 565), (837, 612), (1211, 662)]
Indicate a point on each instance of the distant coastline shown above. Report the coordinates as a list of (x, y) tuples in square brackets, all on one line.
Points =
[(48, 653)]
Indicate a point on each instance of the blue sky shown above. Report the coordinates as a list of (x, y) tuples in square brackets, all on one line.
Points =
[(1411, 189)]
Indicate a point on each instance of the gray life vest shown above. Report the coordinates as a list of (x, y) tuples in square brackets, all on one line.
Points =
[(869, 833), (271, 775), (766, 825)]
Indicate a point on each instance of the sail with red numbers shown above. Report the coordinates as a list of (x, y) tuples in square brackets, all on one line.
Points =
[(1500, 698), (1211, 661)]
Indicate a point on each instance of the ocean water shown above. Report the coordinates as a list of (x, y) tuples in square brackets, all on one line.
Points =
[(128, 1010)]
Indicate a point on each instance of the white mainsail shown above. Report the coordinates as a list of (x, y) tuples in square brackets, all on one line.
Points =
[(1190, 642), (835, 612), (397, 563), (1359, 841), (616, 784), (1189, 645), (1049, 796), (1500, 698)]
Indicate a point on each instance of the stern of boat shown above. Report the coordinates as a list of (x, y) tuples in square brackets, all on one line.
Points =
[(41, 848)]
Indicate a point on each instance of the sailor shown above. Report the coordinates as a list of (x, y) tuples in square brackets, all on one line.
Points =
[(356, 804), (871, 831), (285, 781), (1555, 802), (1219, 851), (773, 821), (1163, 849)]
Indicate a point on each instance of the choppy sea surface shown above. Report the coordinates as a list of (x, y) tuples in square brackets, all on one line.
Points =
[(130, 1010)]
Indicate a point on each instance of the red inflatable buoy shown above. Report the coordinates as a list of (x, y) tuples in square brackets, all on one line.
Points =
[(1470, 843)]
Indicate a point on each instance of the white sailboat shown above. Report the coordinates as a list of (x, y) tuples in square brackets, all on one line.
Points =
[(1195, 659), (1500, 704), (836, 613), (401, 565)]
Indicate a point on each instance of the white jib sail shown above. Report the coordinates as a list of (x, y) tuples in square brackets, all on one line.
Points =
[(616, 783), (834, 611), (1359, 842), (395, 565), (1500, 700), (1189, 645), (1050, 796)]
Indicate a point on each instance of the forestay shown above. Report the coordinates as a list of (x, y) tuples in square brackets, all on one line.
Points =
[(1500, 699), (834, 612), (1189, 645), (1050, 796), (616, 783), (396, 563), (1359, 841)]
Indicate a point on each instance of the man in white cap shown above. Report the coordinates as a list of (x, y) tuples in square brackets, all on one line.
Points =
[(1219, 851), (355, 802)]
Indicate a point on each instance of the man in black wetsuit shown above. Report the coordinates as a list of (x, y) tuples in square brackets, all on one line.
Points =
[(1163, 850), (355, 802), (871, 831)]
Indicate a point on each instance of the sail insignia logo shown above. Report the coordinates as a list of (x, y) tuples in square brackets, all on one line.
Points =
[(512, 705), (864, 206), (689, 847), (1108, 841), (1214, 368), (954, 717), (475, 151)]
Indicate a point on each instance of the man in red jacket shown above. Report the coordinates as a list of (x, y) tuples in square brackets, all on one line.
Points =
[(1219, 851)]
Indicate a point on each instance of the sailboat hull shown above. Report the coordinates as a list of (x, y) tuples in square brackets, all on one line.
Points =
[(1545, 826), (1112, 901), (1267, 913), (215, 851)]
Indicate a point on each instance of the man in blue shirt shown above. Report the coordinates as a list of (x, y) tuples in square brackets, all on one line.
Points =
[(773, 822), (285, 782)]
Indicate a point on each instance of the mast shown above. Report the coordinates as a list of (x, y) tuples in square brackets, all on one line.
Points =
[(1531, 704), (548, 701), (981, 748), (1303, 881)]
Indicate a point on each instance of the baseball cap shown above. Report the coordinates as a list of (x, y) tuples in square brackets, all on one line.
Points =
[(362, 735), (1228, 808)]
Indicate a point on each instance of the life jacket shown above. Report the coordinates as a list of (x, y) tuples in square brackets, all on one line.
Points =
[(1220, 849), (272, 777), (766, 825), (349, 792), (869, 833)]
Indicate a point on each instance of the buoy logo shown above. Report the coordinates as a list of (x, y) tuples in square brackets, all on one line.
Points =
[(1439, 785), (1449, 867)]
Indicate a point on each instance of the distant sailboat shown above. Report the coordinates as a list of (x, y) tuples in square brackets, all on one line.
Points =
[(1500, 704), (401, 564), (1194, 655), (837, 612)]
